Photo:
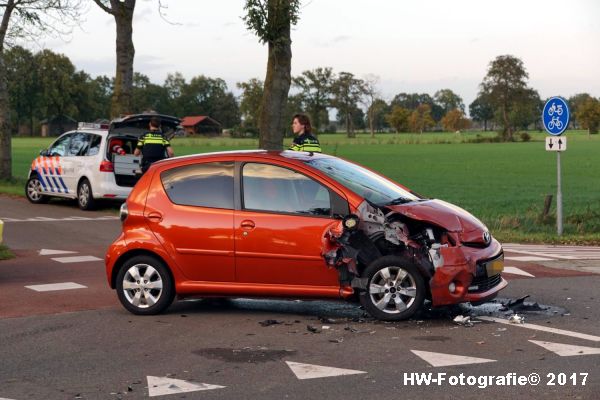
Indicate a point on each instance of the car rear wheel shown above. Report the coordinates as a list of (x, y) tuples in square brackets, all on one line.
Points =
[(145, 286), (395, 289), (85, 198), (33, 191)]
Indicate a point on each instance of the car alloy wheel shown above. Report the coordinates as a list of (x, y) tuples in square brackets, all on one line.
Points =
[(144, 286), (85, 199), (395, 290), (33, 191)]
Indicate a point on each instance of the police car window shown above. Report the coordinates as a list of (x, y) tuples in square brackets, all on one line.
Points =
[(60, 147), (271, 188), (79, 144), (94, 145), (202, 185)]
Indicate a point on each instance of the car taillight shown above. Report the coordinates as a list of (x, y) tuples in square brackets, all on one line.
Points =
[(107, 166)]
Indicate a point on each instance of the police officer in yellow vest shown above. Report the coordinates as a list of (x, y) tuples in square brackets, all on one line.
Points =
[(304, 140), (153, 146)]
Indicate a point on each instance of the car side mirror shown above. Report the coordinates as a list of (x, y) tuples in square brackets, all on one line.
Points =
[(44, 152)]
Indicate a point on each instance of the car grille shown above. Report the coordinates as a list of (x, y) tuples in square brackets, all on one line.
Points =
[(483, 284)]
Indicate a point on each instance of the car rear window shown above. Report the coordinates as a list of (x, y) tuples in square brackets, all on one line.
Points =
[(202, 185)]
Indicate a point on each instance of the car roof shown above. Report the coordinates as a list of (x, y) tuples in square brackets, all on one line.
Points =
[(267, 154)]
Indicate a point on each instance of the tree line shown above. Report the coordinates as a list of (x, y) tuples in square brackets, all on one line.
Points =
[(47, 84)]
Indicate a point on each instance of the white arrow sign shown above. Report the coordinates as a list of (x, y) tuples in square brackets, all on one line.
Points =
[(554, 143), (159, 386)]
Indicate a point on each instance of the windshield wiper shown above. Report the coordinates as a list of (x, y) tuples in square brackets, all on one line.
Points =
[(399, 200)]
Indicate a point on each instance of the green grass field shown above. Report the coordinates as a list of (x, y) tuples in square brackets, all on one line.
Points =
[(503, 184)]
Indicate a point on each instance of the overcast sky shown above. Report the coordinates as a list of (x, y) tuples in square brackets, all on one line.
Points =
[(412, 45)]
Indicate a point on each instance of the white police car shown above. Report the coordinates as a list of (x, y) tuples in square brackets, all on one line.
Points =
[(82, 164)]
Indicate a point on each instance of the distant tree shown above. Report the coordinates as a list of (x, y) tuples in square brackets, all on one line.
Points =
[(148, 96), (398, 118), (504, 84), (175, 86), (271, 21), (210, 96), (27, 19), (315, 89), (378, 110), (411, 101), (588, 115), (420, 119), (371, 94), (455, 120), (481, 110), (347, 92), (57, 86), (527, 109), (23, 86), (448, 100), (250, 100), (574, 103), (122, 12), (358, 118)]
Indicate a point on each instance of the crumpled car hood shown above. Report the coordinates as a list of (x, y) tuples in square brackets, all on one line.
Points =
[(446, 215)]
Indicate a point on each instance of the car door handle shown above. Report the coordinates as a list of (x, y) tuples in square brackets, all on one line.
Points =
[(154, 216), (247, 224)]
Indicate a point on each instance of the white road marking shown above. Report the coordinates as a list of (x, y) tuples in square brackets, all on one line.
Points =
[(56, 286), (159, 386), (555, 252), (4, 398), (48, 219), (544, 329), (567, 350), (76, 259), (49, 252), (517, 271), (528, 258), (311, 371), (446, 360)]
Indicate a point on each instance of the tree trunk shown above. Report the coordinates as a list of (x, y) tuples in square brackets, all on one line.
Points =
[(5, 134), (371, 123), (507, 127), (277, 86), (121, 99)]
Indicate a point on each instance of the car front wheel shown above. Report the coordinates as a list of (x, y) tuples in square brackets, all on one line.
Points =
[(33, 191), (395, 289), (145, 286), (85, 198)]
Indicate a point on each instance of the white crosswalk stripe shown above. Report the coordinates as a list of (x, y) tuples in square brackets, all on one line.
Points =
[(551, 252)]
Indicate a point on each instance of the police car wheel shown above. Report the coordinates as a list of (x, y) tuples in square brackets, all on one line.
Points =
[(145, 286), (33, 191), (85, 198), (395, 289)]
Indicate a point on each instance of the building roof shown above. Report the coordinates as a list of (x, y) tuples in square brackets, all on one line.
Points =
[(196, 119)]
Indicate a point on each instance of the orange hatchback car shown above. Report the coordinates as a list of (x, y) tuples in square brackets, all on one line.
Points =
[(295, 225)]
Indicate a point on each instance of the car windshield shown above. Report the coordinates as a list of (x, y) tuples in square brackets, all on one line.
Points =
[(363, 182)]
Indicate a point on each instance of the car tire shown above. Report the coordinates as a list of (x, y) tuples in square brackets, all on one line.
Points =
[(85, 196), (395, 289), (33, 191), (145, 286)]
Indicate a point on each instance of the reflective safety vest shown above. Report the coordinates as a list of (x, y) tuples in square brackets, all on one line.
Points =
[(306, 142), (152, 145)]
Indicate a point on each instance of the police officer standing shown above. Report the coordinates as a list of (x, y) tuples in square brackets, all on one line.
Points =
[(304, 140), (153, 146)]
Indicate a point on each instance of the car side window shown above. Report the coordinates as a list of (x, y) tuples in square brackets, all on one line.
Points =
[(60, 147), (94, 145), (271, 188), (204, 185), (79, 144)]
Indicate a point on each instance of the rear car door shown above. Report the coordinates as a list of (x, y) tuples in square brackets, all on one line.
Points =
[(190, 210), (279, 230)]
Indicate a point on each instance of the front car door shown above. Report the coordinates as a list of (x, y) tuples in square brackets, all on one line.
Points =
[(54, 168), (280, 227)]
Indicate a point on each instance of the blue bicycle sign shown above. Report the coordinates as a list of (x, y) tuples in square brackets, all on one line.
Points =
[(556, 116)]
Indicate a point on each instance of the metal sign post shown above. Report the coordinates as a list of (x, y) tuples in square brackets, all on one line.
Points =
[(556, 120)]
